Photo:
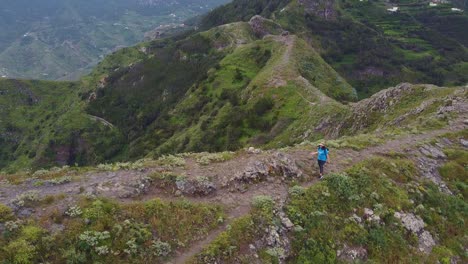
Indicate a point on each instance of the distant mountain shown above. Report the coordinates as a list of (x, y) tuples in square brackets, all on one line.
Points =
[(63, 39)]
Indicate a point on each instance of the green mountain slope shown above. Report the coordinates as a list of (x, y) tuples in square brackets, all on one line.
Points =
[(257, 95), (268, 82), (217, 90), (43, 124), (368, 45)]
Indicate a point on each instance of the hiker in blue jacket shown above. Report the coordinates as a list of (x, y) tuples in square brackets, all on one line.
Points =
[(322, 157)]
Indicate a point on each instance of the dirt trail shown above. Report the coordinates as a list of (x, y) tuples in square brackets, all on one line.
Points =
[(343, 158), (283, 68), (340, 160), (113, 184), (102, 120)]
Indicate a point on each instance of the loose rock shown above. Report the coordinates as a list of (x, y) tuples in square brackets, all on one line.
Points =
[(352, 254)]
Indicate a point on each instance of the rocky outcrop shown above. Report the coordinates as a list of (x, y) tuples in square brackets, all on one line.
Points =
[(262, 26), (323, 8), (370, 216), (130, 189), (429, 163), (352, 254), (379, 110), (275, 239), (197, 187), (380, 103), (415, 225), (279, 165)]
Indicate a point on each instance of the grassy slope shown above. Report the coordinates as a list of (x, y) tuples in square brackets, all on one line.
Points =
[(387, 186), (326, 215), (369, 46), (396, 110), (223, 88), (41, 119), (238, 97)]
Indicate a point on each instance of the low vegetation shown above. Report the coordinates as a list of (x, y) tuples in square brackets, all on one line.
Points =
[(332, 214), (103, 230), (228, 246)]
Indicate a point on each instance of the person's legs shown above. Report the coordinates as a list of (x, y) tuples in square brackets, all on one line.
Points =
[(321, 163)]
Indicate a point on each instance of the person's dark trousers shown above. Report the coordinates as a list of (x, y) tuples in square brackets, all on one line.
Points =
[(321, 163)]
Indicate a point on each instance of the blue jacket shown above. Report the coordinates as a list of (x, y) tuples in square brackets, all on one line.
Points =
[(322, 154)]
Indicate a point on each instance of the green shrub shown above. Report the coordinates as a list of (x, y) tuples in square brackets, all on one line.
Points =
[(171, 160), (207, 158), (161, 249), (296, 191), (20, 252), (6, 213), (31, 233), (343, 185), (262, 208), (225, 247), (27, 198), (315, 251)]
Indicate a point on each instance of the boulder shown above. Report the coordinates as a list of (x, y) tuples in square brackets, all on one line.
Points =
[(279, 165), (197, 187), (352, 254), (431, 151), (464, 142), (285, 221), (416, 225), (426, 242), (429, 170), (368, 213), (411, 222), (262, 26), (253, 150)]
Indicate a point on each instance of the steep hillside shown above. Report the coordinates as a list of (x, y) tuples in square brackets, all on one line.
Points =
[(368, 45), (268, 82), (219, 90), (385, 198), (197, 148), (43, 123)]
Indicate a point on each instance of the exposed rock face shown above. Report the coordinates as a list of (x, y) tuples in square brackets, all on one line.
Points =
[(431, 159), (431, 151), (379, 103), (276, 242), (122, 184), (201, 187), (262, 26), (366, 112), (322, 8), (411, 222), (279, 165), (426, 242), (253, 150), (464, 143), (352, 254), (416, 225)]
